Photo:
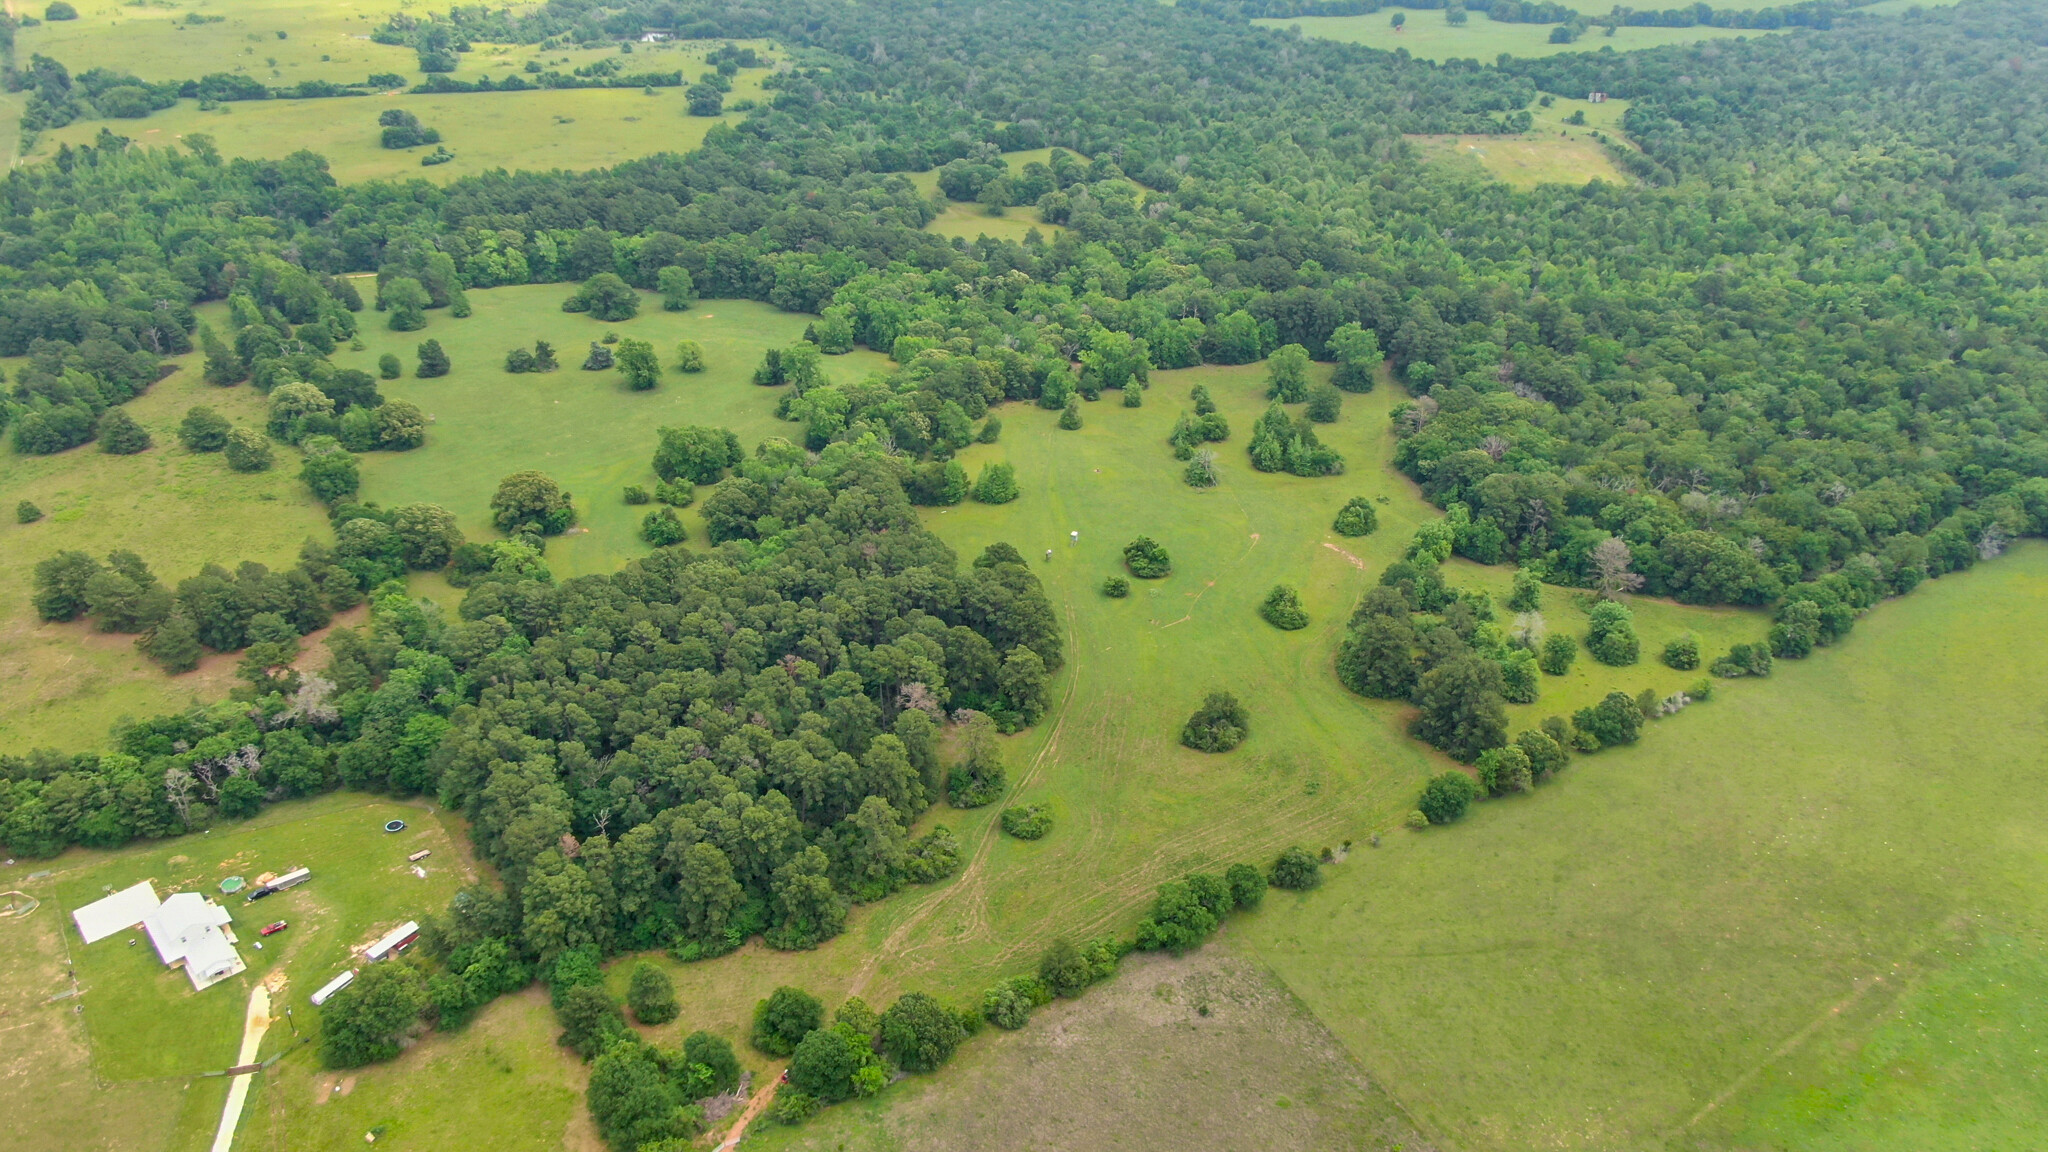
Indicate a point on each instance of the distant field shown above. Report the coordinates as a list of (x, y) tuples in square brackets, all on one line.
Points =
[(1527, 160), (62, 685), (572, 128), (584, 428), (1428, 37)]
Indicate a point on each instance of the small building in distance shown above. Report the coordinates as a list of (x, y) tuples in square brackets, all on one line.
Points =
[(187, 930), (1596, 97)]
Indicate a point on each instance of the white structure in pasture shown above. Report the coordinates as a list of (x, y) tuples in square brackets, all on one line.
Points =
[(187, 930)]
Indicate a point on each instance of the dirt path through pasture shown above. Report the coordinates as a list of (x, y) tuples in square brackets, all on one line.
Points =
[(254, 1025)]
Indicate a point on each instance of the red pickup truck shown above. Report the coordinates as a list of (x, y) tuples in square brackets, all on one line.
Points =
[(274, 929)]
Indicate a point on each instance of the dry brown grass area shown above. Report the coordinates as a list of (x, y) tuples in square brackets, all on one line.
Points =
[(1206, 1051)]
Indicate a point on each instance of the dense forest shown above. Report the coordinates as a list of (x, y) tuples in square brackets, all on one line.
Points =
[(1798, 362)]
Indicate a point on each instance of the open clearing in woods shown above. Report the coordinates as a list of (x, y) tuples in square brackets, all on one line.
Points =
[(1427, 37)]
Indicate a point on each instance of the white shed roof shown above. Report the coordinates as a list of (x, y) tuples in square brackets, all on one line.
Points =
[(117, 913)]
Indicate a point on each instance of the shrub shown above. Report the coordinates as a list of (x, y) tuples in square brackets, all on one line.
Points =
[(1792, 637), (203, 429), (1282, 609), (1614, 720), (651, 994), (120, 435), (1504, 770), (364, 1021), (432, 361), (1146, 559), (1027, 821), (635, 494), (919, 1034), (784, 1019), (246, 450), (1070, 416), (1557, 654), (27, 513), (519, 360), (1297, 870), (1219, 725), (1357, 518), (531, 501), (1116, 587), (389, 367), (1416, 819), (1008, 1005), (1545, 753), (1518, 679), (991, 431), (678, 292), (1527, 594), (605, 297), (1287, 374), (827, 1060), (996, 485), (1446, 797), (1683, 653), (689, 356), (590, 1019), (1201, 470), (1744, 660), (1180, 919), (1611, 634), (1325, 404), (329, 471), (544, 357), (712, 1053), (638, 364), (60, 10), (1247, 885)]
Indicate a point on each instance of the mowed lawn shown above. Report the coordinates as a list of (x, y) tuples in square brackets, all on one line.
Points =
[(143, 1028), (1806, 915)]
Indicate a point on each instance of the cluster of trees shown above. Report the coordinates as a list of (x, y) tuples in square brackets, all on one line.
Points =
[(402, 129)]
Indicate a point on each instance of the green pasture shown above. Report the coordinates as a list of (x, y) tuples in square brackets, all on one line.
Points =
[(146, 1031), (556, 128), (1428, 37), (1806, 915), (62, 685), (586, 429), (1553, 151)]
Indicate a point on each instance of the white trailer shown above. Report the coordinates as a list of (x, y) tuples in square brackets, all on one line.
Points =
[(328, 989)]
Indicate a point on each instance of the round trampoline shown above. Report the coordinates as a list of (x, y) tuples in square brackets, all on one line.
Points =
[(395, 826)]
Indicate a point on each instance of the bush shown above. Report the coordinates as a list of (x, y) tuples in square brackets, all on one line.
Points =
[(662, 527), (919, 1034), (1146, 559), (996, 485), (1070, 416), (518, 360), (991, 431), (1557, 654), (1116, 587), (120, 435), (389, 367), (1504, 770), (1008, 1005), (1297, 870), (599, 360), (1325, 404), (246, 450), (712, 1053), (678, 292), (605, 297), (1247, 885), (203, 430), (636, 494), (1614, 720), (651, 994), (364, 1021), (1545, 754), (1282, 609), (1219, 725), (689, 356), (1446, 797), (27, 513), (60, 10), (1527, 593), (432, 361), (1611, 634), (784, 1019), (1357, 518), (1027, 821), (329, 471), (638, 364), (1201, 470), (1416, 819), (827, 1062), (590, 1019), (1683, 653), (531, 501), (1744, 660)]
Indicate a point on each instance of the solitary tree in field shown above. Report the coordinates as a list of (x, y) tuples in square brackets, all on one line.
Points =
[(638, 364), (1400, 18)]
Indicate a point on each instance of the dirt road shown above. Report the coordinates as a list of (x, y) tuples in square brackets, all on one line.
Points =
[(254, 1025)]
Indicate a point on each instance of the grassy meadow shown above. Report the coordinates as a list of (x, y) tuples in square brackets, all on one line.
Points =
[(62, 685), (1427, 36), (586, 429), (1553, 151), (539, 130)]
